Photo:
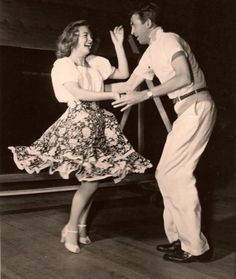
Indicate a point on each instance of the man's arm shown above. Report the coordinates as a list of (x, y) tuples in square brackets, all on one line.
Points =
[(121, 87), (181, 79)]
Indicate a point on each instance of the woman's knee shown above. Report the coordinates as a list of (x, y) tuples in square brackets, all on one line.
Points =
[(89, 186), (94, 186)]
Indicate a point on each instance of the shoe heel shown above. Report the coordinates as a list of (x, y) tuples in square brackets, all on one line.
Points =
[(62, 239), (63, 235)]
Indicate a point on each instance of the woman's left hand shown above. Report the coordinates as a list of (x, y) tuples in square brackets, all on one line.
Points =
[(117, 35), (130, 99), (116, 96)]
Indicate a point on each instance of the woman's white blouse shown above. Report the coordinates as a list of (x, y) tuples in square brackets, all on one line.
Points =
[(90, 78)]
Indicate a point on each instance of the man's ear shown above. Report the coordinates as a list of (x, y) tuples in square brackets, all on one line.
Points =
[(148, 23)]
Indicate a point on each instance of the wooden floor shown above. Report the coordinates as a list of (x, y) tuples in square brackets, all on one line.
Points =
[(125, 226)]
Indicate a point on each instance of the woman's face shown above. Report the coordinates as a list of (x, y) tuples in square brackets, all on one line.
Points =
[(85, 40)]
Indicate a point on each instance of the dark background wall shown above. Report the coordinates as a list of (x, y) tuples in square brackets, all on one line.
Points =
[(28, 31)]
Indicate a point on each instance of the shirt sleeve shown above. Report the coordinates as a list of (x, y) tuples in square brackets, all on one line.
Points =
[(64, 71), (171, 44), (103, 66), (144, 67)]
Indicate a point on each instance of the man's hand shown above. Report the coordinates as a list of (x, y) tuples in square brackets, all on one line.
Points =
[(130, 99)]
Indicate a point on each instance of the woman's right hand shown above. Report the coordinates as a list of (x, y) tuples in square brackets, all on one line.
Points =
[(117, 35)]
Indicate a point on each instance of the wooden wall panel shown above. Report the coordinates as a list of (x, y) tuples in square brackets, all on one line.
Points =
[(28, 31), (37, 24)]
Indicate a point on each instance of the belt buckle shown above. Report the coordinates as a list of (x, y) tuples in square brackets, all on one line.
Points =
[(179, 98), (176, 100)]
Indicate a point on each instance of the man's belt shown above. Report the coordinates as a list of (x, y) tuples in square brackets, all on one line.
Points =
[(180, 98)]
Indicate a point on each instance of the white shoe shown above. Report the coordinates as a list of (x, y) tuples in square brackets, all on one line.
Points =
[(83, 239), (69, 246)]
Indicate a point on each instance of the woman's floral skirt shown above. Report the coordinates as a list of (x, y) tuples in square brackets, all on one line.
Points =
[(85, 139)]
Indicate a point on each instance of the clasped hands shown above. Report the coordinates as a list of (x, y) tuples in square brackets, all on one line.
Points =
[(129, 99)]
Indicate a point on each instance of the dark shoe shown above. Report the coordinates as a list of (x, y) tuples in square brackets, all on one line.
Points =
[(171, 247), (181, 256)]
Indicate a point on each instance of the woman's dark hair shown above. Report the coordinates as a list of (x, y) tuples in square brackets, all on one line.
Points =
[(69, 38), (148, 10)]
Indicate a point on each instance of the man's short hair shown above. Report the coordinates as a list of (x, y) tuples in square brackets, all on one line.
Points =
[(148, 10)]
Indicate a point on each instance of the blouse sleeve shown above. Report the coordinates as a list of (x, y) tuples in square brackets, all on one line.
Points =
[(103, 66), (63, 71)]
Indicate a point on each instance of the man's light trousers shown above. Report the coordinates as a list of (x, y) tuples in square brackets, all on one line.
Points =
[(184, 145)]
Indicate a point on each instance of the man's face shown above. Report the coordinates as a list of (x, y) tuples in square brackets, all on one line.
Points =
[(139, 29)]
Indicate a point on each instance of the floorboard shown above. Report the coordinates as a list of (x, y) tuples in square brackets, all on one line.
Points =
[(124, 225)]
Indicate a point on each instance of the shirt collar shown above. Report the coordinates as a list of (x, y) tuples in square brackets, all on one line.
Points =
[(155, 33)]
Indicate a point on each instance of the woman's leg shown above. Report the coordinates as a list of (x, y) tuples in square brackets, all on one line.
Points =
[(82, 223), (84, 215), (80, 207)]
